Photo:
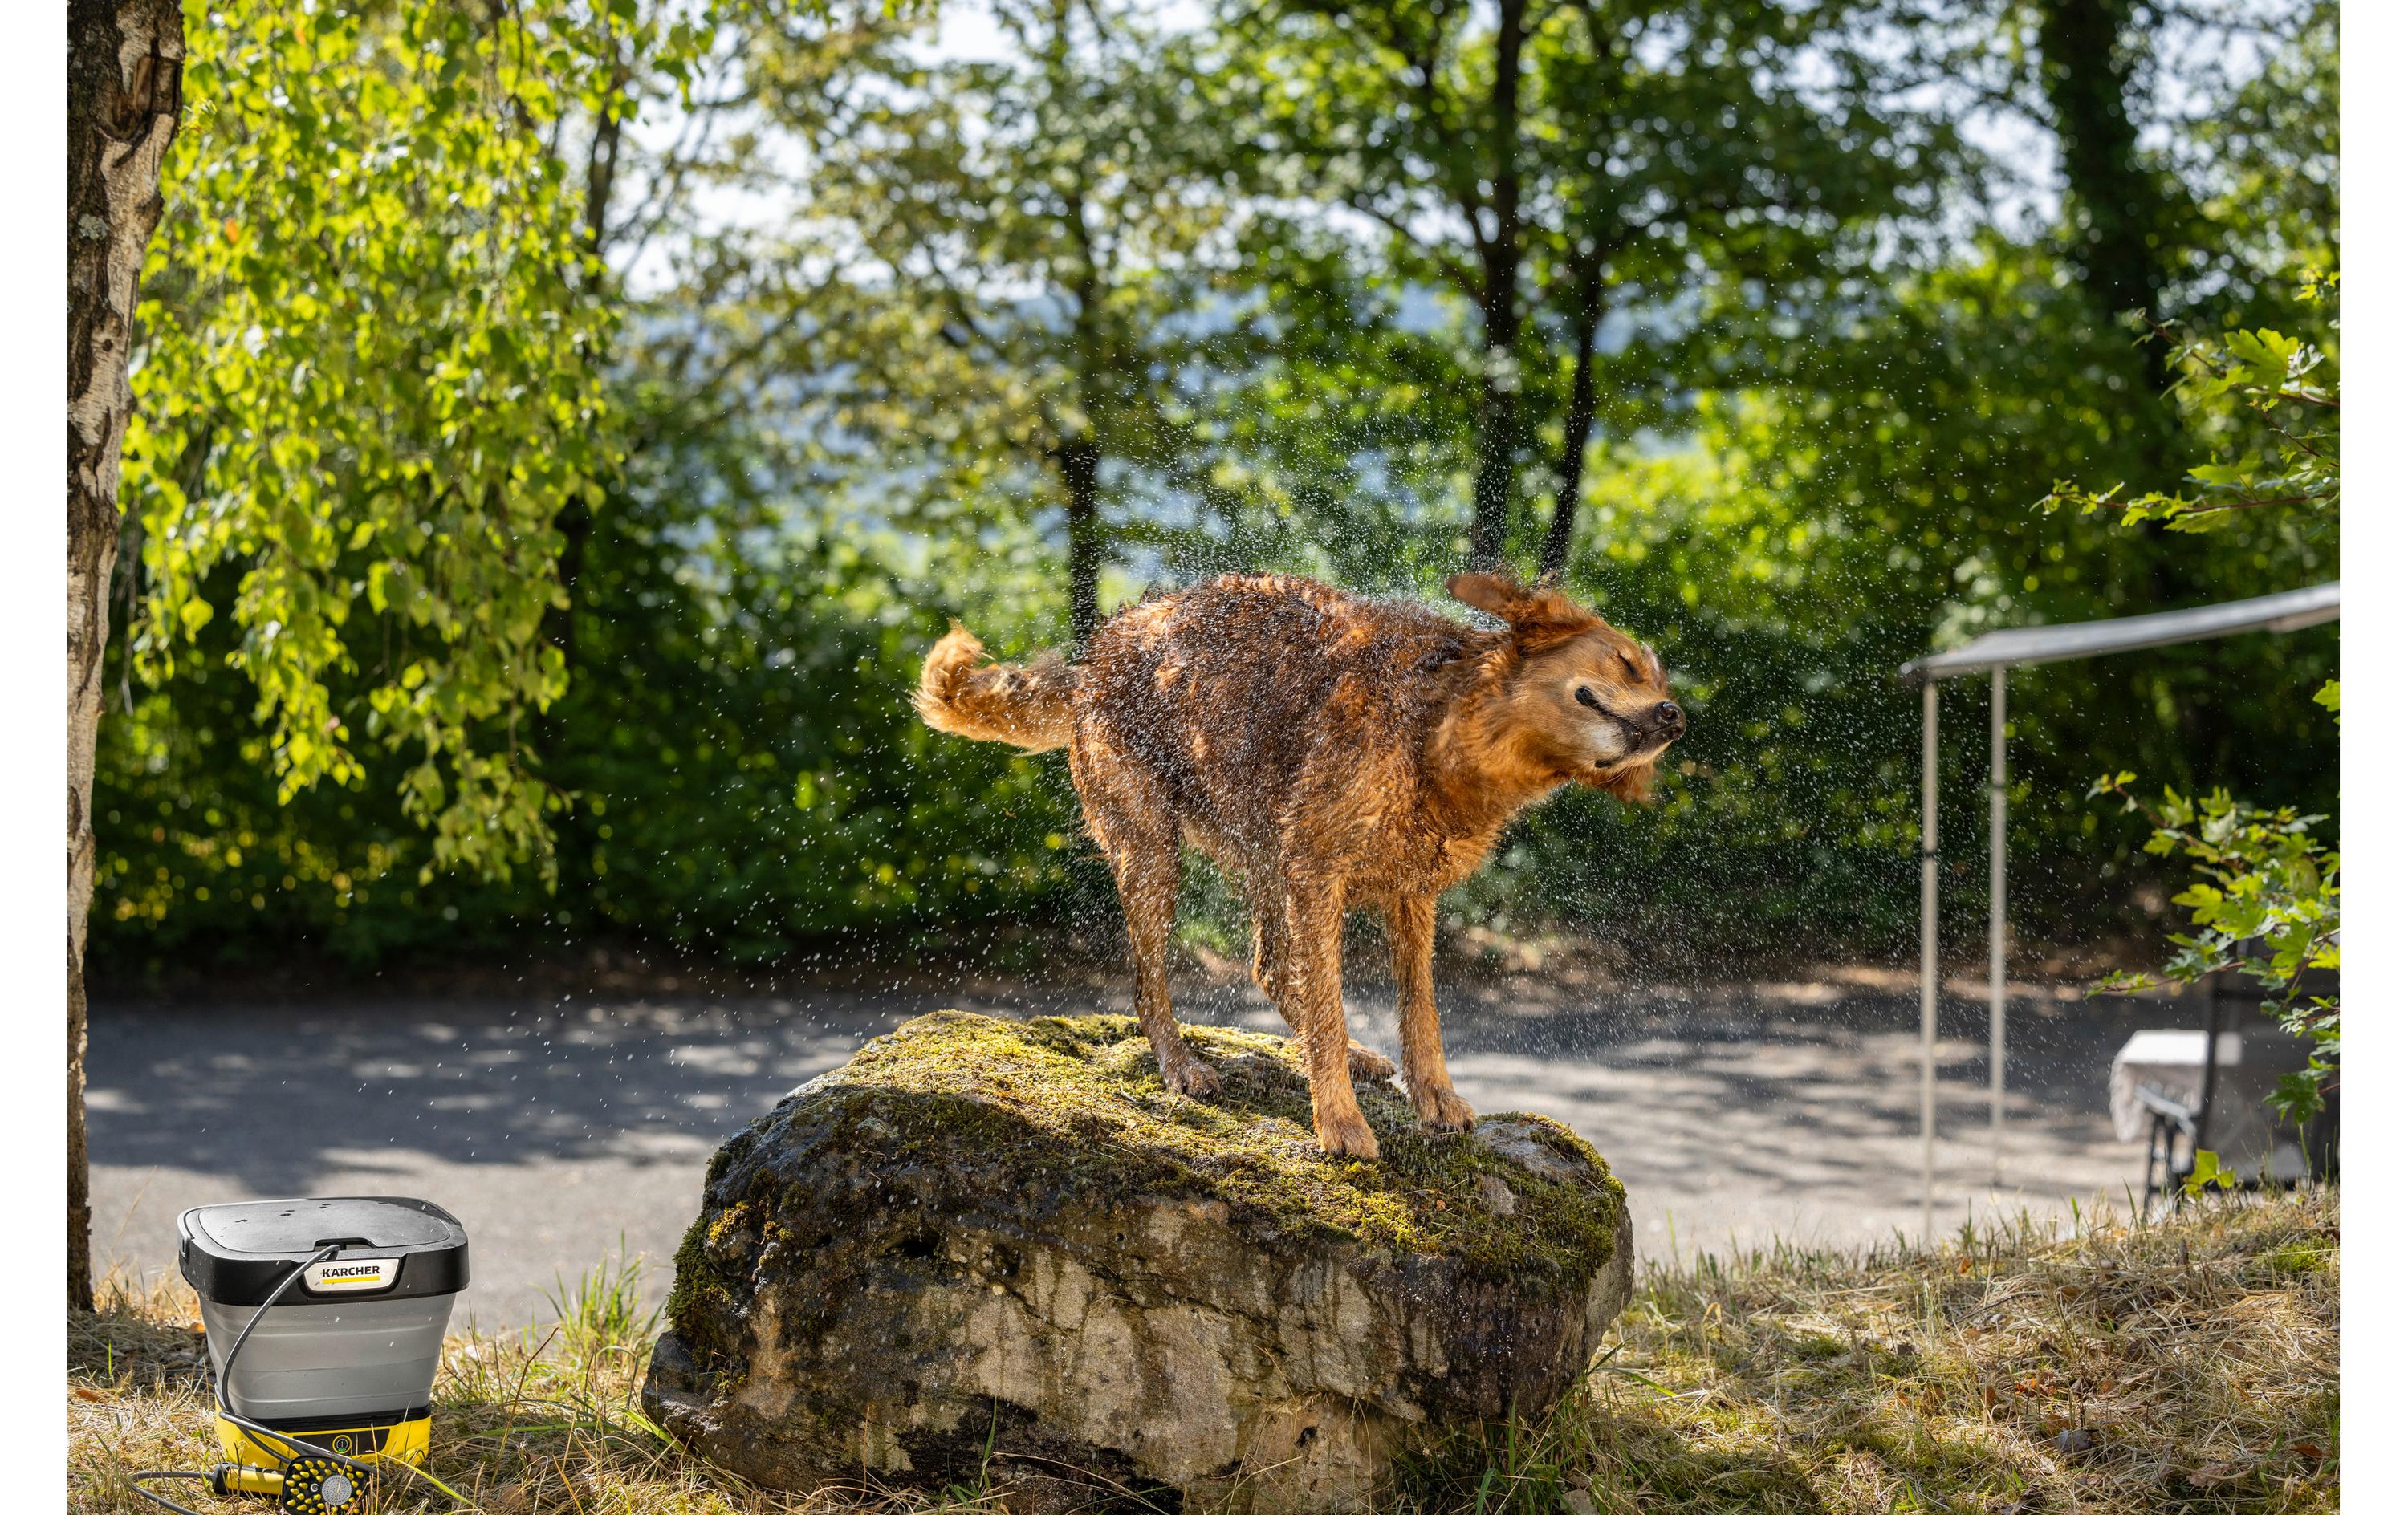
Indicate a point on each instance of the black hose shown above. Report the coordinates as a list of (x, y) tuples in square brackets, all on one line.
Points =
[(137, 1479), (226, 1373), (225, 1407)]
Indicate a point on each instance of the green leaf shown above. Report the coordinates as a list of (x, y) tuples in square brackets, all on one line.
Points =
[(2207, 1172)]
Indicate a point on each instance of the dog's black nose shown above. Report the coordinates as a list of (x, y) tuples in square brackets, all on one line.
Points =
[(1669, 717)]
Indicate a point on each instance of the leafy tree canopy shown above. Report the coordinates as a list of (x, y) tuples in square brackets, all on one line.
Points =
[(372, 383), (1721, 307)]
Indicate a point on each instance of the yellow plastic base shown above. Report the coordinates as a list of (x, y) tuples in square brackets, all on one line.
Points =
[(405, 1442), (239, 1479)]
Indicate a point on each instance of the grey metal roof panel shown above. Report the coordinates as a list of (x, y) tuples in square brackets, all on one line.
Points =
[(2289, 610)]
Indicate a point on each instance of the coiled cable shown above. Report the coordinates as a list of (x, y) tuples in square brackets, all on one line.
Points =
[(262, 1433)]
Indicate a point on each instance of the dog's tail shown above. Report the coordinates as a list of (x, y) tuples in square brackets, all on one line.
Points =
[(1027, 705)]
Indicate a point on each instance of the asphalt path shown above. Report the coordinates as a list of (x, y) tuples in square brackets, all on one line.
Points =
[(565, 1132)]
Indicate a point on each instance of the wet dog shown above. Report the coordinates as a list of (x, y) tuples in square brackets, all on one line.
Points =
[(1332, 753)]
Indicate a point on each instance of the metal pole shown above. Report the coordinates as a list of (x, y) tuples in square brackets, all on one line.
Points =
[(1997, 920), (1930, 923)]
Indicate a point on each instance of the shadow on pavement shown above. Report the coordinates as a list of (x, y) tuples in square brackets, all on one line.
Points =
[(1740, 1112)]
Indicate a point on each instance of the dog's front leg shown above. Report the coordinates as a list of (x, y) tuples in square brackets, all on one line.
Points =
[(1316, 1007), (1412, 933)]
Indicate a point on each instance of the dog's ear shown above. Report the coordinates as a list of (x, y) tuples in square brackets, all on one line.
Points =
[(1493, 593), (1540, 618)]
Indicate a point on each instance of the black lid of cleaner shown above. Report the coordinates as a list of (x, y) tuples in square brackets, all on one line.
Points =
[(237, 1254)]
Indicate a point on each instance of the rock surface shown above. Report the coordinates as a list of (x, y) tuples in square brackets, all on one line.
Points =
[(1003, 1250)]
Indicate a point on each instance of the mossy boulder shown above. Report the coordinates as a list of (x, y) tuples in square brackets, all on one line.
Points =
[(1002, 1250)]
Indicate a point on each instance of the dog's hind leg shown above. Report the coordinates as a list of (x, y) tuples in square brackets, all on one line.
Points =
[(1412, 931), (1363, 1062), (1142, 842), (1313, 1005), (1271, 953)]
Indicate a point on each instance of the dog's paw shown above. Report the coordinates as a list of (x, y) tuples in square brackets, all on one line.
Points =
[(1442, 1110), (1347, 1136), (1193, 1077), (1363, 1062)]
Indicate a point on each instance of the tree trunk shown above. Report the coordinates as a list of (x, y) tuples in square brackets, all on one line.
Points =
[(1082, 457), (2121, 209), (602, 169), (2123, 224), (1580, 414), (125, 66), (1497, 436), (1080, 461), (1492, 485), (576, 521), (2122, 212)]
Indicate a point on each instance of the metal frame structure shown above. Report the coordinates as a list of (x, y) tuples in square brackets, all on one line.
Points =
[(2171, 1121), (1995, 652)]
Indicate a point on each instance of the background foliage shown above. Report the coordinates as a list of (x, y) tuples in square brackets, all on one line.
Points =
[(655, 383)]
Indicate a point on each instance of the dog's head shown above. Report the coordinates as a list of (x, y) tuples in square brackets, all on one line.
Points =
[(1588, 697)]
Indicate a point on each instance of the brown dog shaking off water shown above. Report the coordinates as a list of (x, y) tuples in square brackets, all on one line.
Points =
[(1334, 753)]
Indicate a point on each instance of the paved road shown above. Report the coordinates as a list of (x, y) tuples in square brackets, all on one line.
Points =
[(556, 1129)]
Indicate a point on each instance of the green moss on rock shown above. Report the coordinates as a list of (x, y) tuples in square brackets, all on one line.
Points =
[(975, 1211), (1079, 1103)]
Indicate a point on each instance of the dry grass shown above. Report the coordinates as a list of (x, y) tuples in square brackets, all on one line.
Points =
[(2188, 1365), (524, 1422), (2185, 1364)]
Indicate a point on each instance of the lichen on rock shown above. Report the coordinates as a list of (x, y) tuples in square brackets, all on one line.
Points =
[(1004, 1246)]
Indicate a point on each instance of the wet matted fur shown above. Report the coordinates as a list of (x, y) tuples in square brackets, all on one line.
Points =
[(1333, 752)]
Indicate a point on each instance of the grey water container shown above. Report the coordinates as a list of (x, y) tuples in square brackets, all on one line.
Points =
[(358, 1338)]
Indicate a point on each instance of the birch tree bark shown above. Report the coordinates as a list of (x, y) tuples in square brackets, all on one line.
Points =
[(125, 63)]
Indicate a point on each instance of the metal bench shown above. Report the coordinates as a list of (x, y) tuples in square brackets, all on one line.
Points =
[(2228, 1114)]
